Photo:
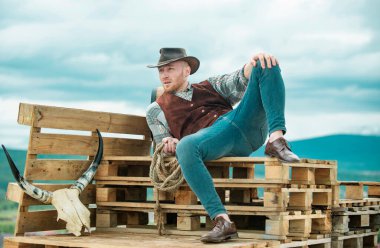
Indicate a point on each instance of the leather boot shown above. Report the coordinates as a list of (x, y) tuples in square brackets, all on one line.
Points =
[(281, 150), (223, 230)]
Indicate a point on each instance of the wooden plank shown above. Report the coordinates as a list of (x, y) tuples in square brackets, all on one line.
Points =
[(354, 192), (55, 169), (84, 120), (374, 191), (45, 220), (16, 194), (218, 182), (146, 206), (43, 143), (229, 161), (29, 155), (122, 238)]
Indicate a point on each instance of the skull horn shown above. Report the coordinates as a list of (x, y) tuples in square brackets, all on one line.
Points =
[(37, 193), (89, 174)]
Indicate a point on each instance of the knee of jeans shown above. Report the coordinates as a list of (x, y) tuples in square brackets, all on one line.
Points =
[(259, 68), (186, 149)]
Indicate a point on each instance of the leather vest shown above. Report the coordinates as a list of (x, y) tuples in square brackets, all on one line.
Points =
[(187, 117)]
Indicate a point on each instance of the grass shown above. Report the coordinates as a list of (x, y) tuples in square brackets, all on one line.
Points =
[(8, 220)]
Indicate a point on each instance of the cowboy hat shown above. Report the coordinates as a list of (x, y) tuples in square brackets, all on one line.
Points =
[(169, 55)]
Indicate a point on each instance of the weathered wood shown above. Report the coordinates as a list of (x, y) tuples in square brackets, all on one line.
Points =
[(55, 169), (143, 206), (84, 120), (21, 207), (16, 194), (43, 143), (106, 218), (45, 220), (121, 238), (354, 192), (228, 161), (188, 222), (276, 172)]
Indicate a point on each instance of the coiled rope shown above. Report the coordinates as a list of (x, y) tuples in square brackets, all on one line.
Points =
[(166, 177)]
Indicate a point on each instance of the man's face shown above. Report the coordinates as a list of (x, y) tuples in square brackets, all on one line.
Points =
[(173, 76)]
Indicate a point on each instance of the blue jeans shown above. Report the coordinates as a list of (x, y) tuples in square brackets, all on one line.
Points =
[(237, 133)]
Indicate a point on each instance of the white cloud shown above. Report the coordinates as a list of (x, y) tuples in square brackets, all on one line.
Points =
[(109, 43), (308, 125)]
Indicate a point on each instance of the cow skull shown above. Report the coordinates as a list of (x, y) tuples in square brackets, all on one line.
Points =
[(66, 201)]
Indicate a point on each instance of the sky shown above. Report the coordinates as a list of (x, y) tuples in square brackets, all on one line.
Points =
[(93, 55)]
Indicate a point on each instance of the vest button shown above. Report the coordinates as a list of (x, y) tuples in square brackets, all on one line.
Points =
[(215, 115), (203, 110), (191, 104)]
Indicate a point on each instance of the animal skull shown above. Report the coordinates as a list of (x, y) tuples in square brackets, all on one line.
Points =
[(66, 201)]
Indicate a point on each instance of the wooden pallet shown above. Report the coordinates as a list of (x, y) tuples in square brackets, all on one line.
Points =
[(183, 220), (127, 240), (360, 239), (358, 190), (234, 179), (51, 134), (122, 183)]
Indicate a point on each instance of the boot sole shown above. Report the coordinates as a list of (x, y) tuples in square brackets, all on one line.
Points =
[(272, 156), (230, 236)]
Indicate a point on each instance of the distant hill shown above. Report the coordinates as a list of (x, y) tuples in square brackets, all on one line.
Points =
[(358, 156)]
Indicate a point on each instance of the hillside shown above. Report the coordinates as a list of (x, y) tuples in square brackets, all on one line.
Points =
[(358, 156)]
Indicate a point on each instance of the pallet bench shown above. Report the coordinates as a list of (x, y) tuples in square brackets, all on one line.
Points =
[(291, 203)]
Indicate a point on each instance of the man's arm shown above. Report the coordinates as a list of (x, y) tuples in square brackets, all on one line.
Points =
[(158, 125), (233, 85)]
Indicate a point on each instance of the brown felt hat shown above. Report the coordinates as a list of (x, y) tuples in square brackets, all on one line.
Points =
[(169, 55)]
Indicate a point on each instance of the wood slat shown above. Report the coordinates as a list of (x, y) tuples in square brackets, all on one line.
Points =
[(16, 194), (120, 238), (46, 220), (174, 208), (55, 169), (218, 182), (230, 160), (44, 143), (84, 120)]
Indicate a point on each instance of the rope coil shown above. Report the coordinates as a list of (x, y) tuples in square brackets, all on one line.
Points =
[(166, 177)]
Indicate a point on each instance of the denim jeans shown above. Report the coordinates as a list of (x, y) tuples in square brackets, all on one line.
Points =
[(236, 133)]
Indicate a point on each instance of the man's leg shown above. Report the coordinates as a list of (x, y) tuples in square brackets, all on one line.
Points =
[(262, 110), (207, 144)]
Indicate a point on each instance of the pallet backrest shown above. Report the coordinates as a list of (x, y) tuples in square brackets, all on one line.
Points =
[(123, 135)]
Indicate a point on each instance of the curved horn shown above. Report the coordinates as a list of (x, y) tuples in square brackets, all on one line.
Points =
[(87, 176), (37, 193)]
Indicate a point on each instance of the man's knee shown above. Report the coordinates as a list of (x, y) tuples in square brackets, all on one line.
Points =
[(186, 147)]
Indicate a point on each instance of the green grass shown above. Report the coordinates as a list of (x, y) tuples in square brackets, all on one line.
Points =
[(8, 220), (7, 226), (8, 214)]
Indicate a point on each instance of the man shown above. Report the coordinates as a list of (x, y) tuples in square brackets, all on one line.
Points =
[(197, 123)]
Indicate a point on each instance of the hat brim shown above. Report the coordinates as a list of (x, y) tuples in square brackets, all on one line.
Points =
[(193, 63)]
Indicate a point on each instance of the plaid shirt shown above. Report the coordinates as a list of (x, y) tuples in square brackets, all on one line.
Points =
[(230, 86)]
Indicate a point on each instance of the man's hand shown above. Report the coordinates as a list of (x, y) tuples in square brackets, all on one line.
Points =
[(262, 57), (170, 144)]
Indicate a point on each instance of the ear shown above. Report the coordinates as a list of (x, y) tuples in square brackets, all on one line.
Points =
[(187, 69)]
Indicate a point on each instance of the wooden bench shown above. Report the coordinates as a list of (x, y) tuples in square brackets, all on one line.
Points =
[(121, 186), (51, 133)]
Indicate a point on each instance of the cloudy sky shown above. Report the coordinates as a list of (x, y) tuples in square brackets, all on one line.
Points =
[(93, 55)]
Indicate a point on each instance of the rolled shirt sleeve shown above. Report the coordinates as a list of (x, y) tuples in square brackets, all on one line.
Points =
[(157, 123), (231, 86)]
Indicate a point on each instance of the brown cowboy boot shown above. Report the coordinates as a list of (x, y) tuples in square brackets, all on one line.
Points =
[(281, 150), (223, 230)]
